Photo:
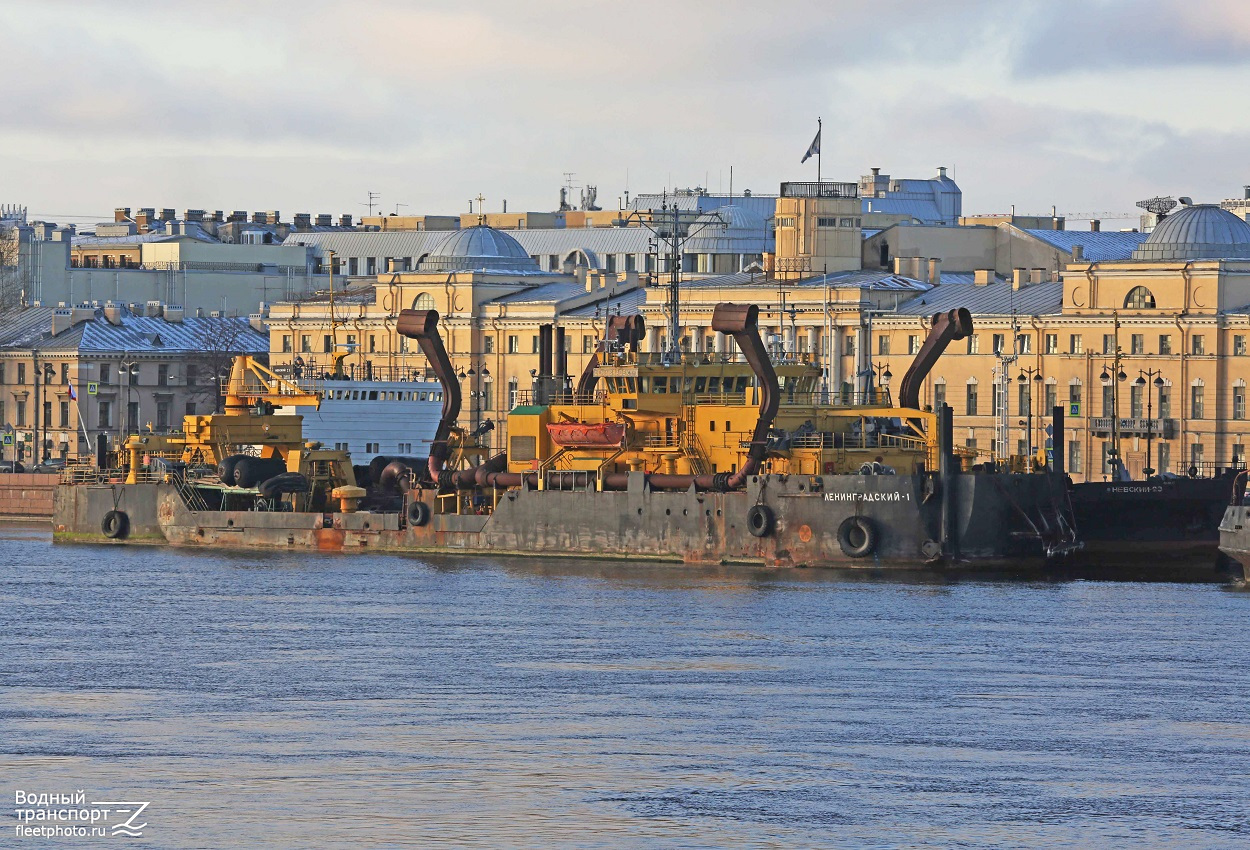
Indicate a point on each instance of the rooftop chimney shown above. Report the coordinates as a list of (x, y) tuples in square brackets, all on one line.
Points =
[(238, 215), (174, 314), (303, 220), (273, 217), (325, 220), (983, 277), (1078, 253), (345, 220), (1038, 276), (258, 218), (168, 214), (1095, 225), (123, 213), (1019, 278), (113, 312), (941, 171), (935, 271)]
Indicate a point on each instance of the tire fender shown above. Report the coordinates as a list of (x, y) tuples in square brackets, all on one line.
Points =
[(761, 521), (857, 535), (115, 525), (418, 513)]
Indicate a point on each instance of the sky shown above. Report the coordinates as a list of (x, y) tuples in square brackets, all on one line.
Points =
[(1085, 106)]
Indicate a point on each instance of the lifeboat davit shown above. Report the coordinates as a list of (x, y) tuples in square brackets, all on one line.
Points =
[(584, 434)]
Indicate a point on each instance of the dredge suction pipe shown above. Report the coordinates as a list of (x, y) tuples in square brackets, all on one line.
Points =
[(947, 327), (422, 325)]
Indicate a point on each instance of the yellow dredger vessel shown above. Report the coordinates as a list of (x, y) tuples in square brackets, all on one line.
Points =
[(697, 457)]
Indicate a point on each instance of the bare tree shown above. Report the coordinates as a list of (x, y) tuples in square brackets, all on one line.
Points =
[(12, 273), (219, 339)]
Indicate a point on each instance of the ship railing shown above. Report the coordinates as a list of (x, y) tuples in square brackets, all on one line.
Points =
[(311, 369), (720, 398), (661, 441), (527, 397), (86, 473)]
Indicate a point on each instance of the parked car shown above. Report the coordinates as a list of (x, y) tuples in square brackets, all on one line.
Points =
[(53, 465), (11, 466)]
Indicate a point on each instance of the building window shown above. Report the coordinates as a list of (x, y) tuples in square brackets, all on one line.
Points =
[(1239, 456), (1052, 398), (1136, 403), (21, 373), (190, 408), (106, 415), (327, 344), (64, 414), (1165, 402), (162, 414), (423, 301), (373, 343), (846, 222), (883, 344), (162, 375), (1195, 455), (193, 374), (1052, 343), (1199, 344), (913, 343), (21, 414), (488, 344), (939, 396), (1024, 343), (974, 344), (305, 343), (1074, 456), (970, 403), (826, 221), (371, 265), (64, 373), (514, 344), (1076, 344), (1239, 344), (286, 343), (1108, 344), (1165, 457), (1239, 402), (1139, 298), (1024, 398), (1137, 344), (1165, 344), (1000, 340), (1108, 401), (1196, 402), (106, 373), (588, 344)]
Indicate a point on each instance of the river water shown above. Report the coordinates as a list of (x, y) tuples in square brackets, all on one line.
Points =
[(302, 700)]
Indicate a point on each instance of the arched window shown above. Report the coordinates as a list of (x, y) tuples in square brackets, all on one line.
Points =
[(1139, 298), (424, 301)]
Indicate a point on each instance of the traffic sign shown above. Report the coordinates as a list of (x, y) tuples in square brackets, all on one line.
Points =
[(92, 388)]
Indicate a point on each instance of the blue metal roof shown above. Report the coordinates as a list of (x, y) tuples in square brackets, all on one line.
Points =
[(992, 299), (32, 328), (874, 279), (1202, 231), (1098, 246)]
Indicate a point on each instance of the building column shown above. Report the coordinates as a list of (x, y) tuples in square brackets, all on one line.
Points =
[(813, 340), (653, 338), (835, 359), (696, 339)]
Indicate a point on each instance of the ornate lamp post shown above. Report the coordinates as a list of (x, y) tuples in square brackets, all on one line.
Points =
[(1107, 381), (1035, 376), (1144, 375)]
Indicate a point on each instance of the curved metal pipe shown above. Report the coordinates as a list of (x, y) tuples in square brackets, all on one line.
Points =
[(422, 325), (947, 327)]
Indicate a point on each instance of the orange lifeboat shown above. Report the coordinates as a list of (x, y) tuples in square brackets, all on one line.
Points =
[(584, 434)]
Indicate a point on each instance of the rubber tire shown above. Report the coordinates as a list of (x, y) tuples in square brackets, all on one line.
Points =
[(760, 521), (115, 525), (283, 482), (250, 471), (863, 525), (225, 469), (418, 514)]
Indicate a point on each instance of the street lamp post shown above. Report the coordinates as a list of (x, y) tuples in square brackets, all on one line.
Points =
[(48, 373), (130, 373), (1107, 380), (1144, 376), (882, 373), (1027, 376)]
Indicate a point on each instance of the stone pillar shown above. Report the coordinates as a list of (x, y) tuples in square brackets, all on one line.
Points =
[(653, 338), (696, 339), (813, 340)]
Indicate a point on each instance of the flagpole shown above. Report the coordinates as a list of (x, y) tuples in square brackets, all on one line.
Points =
[(818, 147)]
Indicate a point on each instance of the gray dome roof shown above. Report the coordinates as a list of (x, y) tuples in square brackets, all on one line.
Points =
[(1202, 231), (479, 248)]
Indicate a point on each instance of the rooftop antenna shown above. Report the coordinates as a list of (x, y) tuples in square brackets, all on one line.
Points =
[(1160, 206), (372, 202)]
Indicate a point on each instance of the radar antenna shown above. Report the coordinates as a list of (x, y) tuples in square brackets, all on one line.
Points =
[(1160, 206)]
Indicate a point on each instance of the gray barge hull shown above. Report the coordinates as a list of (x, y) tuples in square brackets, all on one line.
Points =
[(995, 519)]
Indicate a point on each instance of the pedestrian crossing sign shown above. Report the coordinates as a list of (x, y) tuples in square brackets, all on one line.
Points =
[(92, 388)]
